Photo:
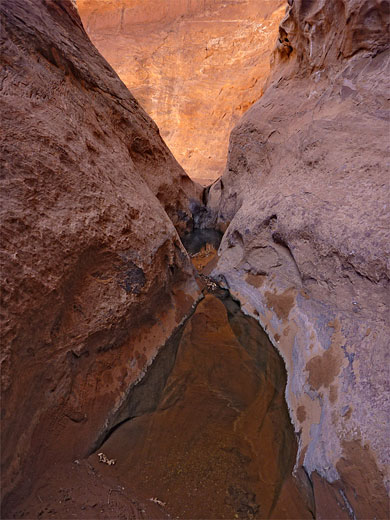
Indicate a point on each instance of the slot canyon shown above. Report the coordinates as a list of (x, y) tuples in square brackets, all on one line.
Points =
[(195, 259)]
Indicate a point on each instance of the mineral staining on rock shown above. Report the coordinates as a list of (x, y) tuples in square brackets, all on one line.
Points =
[(305, 200), (195, 67)]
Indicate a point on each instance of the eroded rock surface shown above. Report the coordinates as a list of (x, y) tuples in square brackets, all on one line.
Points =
[(195, 66), (305, 200), (94, 276)]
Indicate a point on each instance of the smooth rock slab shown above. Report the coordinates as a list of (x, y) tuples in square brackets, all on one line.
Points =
[(219, 443)]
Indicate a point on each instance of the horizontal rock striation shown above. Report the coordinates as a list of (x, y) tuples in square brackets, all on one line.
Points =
[(195, 66), (305, 200), (94, 276)]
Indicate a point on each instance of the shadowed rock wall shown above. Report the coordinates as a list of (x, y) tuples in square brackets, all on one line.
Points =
[(305, 200), (94, 276), (195, 66)]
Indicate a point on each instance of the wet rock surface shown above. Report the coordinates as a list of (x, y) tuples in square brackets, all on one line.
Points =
[(218, 443), (195, 66), (94, 276), (206, 433), (304, 199)]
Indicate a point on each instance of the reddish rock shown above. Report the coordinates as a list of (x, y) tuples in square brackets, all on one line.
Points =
[(94, 276), (78, 490), (195, 66), (206, 434), (305, 200), (218, 443)]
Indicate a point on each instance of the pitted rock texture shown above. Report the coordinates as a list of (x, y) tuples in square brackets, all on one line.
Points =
[(94, 276), (305, 200), (195, 66)]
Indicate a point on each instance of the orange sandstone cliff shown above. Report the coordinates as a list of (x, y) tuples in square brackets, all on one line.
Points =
[(195, 66), (305, 200)]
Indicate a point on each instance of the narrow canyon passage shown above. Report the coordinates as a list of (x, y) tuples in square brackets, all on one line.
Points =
[(134, 386), (215, 441)]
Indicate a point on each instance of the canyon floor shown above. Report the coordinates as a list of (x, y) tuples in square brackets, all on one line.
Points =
[(212, 437)]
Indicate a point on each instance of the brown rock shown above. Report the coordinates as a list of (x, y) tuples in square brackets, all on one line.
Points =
[(305, 196), (218, 443), (94, 276), (78, 490), (195, 66)]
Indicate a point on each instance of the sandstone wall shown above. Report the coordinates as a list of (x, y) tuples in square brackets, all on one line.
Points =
[(305, 200), (94, 276), (195, 66)]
